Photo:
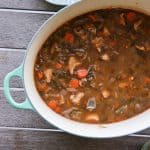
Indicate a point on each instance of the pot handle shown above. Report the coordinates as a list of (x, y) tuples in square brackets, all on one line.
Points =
[(16, 72)]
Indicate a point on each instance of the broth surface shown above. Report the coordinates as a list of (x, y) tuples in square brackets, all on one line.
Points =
[(96, 67)]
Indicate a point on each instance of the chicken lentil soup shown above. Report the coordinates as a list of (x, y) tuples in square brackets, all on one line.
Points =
[(96, 67)]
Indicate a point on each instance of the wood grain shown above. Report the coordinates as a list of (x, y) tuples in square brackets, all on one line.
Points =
[(12, 117), (17, 29), (29, 5), (10, 60), (34, 140)]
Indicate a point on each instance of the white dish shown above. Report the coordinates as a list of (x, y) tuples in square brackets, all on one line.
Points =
[(62, 2)]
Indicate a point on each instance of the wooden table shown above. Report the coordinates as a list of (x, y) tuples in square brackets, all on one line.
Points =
[(24, 129)]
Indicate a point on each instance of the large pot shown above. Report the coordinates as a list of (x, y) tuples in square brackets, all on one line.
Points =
[(26, 72)]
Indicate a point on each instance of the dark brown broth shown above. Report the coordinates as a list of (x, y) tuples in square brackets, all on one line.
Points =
[(103, 58)]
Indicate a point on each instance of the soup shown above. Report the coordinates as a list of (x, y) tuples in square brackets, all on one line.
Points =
[(96, 67)]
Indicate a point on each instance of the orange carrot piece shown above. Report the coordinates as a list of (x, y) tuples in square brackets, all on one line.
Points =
[(69, 37), (58, 109), (40, 75), (81, 73), (74, 83), (58, 66), (147, 80), (53, 104), (131, 16)]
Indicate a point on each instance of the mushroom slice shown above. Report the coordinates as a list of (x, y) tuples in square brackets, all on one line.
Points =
[(122, 19), (106, 32), (91, 104), (137, 25), (75, 99), (48, 75), (72, 64)]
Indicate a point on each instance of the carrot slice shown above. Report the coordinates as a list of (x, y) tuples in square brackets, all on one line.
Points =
[(40, 75), (53, 104), (147, 80), (74, 83), (69, 37), (81, 73), (131, 16), (58, 109), (58, 66)]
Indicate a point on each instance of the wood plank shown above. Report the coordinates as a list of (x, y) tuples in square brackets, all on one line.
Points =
[(30, 5), (17, 29), (35, 140), (11, 117), (9, 60)]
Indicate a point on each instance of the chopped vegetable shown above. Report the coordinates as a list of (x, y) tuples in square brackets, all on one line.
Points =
[(48, 75), (147, 80), (69, 37), (42, 87), (82, 73), (75, 99), (58, 109), (74, 83), (53, 104), (137, 25), (131, 16), (58, 66), (76, 114), (72, 64), (121, 109), (40, 75)]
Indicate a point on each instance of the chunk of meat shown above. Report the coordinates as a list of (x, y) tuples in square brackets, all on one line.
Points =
[(76, 99), (72, 64), (48, 75)]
